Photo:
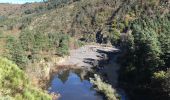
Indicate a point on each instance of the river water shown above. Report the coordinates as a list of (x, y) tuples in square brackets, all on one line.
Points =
[(75, 85), (71, 85)]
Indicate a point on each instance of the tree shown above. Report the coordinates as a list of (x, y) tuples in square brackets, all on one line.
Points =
[(63, 46), (41, 41), (147, 56)]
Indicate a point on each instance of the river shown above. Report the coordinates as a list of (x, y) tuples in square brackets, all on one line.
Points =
[(71, 86), (75, 84)]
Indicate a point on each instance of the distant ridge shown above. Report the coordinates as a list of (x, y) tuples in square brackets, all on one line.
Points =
[(19, 1)]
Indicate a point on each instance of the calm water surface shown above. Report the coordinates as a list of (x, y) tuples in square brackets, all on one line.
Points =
[(72, 86)]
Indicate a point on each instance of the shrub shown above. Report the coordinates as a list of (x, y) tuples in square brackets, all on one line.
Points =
[(104, 88), (41, 41), (16, 52), (115, 36), (63, 48), (28, 11), (159, 75), (15, 85), (27, 40), (53, 40)]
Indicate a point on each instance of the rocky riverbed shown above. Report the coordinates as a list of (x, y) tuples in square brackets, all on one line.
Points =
[(88, 56)]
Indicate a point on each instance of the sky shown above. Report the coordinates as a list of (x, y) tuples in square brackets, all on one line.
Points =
[(18, 1)]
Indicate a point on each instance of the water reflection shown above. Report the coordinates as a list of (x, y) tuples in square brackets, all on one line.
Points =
[(72, 87)]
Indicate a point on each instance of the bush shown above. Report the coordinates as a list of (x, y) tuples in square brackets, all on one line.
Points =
[(41, 41), (104, 88), (28, 11), (54, 39), (14, 84), (63, 48), (27, 40), (15, 51), (159, 75), (115, 36)]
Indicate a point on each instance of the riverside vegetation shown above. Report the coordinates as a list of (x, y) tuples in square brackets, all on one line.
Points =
[(39, 33), (105, 88)]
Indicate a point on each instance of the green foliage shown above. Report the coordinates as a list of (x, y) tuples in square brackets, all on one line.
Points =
[(27, 40), (1, 35), (104, 88), (32, 41), (114, 36), (25, 21), (54, 39), (28, 11), (63, 47), (159, 75), (166, 83), (145, 48), (35, 43), (14, 84), (147, 54), (16, 52), (41, 41)]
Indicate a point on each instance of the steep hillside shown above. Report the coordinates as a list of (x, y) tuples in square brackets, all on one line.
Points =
[(7, 9), (16, 9), (89, 17), (36, 33), (85, 18), (81, 18)]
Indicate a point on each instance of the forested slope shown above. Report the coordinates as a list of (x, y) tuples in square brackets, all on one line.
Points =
[(140, 28)]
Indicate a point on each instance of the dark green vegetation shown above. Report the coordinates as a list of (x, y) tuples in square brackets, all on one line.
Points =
[(30, 45), (141, 28), (145, 63), (147, 59)]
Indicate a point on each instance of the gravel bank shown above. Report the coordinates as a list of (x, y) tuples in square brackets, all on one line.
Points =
[(87, 56)]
